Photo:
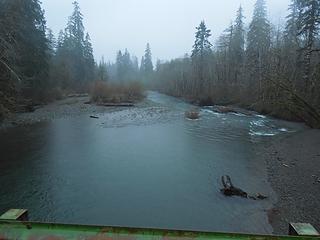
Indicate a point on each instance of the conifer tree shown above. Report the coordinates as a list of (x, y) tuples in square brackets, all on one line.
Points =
[(238, 40), (308, 24), (292, 43), (75, 28), (142, 65), (291, 29), (147, 63), (102, 71), (237, 50), (202, 45), (200, 53), (74, 55), (258, 46), (120, 66), (88, 59), (28, 32)]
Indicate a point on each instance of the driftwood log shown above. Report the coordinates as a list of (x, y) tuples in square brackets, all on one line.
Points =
[(230, 190), (193, 115), (116, 104)]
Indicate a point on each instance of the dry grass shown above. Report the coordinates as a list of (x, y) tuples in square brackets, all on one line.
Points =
[(102, 92)]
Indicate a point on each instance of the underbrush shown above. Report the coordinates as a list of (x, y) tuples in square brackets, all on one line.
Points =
[(103, 92), (7, 101)]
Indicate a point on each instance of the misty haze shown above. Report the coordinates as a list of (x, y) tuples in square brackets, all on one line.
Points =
[(154, 119)]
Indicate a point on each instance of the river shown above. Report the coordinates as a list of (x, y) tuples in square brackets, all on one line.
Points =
[(141, 167)]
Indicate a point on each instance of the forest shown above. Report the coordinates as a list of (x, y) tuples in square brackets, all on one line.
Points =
[(270, 69)]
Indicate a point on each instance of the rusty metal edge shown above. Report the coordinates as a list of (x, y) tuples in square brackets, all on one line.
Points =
[(24, 227)]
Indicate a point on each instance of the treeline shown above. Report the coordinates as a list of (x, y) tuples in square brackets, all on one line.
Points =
[(72, 64), (24, 51), (36, 67), (272, 69), (122, 81), (127, 67)]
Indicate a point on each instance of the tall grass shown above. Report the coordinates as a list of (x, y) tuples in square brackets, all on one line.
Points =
[(103, 92)]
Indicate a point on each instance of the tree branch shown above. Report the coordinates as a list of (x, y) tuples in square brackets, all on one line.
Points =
[(11, 70)]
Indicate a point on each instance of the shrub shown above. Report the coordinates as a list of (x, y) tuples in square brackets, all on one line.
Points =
[(102, 92)]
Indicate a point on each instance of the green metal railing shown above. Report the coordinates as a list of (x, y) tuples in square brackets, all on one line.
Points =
[(14, 225), (17, 230)]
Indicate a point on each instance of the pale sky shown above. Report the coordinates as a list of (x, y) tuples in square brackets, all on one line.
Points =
[(168, 25)]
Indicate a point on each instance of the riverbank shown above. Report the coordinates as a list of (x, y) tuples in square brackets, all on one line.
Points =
[(69, 107), (294, 173), (225, 106)]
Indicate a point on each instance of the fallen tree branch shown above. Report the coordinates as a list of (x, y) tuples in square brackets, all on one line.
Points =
[(116, 104), (11, 70), (313, 116), (230, 190)]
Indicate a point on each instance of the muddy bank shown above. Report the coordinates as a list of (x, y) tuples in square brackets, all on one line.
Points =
[(70, 107), (294, 173)]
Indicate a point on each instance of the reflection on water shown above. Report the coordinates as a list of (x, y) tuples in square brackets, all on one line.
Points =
[(143, 167)]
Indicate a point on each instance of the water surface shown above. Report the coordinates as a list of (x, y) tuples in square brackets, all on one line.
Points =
[(141, 167)]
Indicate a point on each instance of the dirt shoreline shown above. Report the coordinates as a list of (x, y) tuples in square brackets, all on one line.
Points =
[(66, 108), (294, 173)]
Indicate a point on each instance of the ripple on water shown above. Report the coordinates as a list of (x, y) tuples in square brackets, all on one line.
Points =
[(165, 170), (265, 127)]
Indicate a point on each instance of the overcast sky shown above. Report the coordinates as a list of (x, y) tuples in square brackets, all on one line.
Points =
[(168, 25)]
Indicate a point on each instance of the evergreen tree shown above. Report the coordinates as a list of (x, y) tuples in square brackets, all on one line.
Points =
[(258, 45), (75, 28), (8, 71), (127, 67), (135, 64), (28, 34), (61, 39), (200, 53), (102, 71), (89, 59), (308, 20), (120, 66), (238, 40), (75, 65), (308, 24), (127, 64), (291, 30), (225, 52), (88, 50), (142, 70), (147, 62), (51, 41), (202, 45), (237, 47), (292, 43), (158, 65), (74, 42)]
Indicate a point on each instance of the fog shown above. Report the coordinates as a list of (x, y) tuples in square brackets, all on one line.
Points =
[(167, 25)]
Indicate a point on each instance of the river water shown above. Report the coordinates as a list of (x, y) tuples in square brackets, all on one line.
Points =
[(141, 167)]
